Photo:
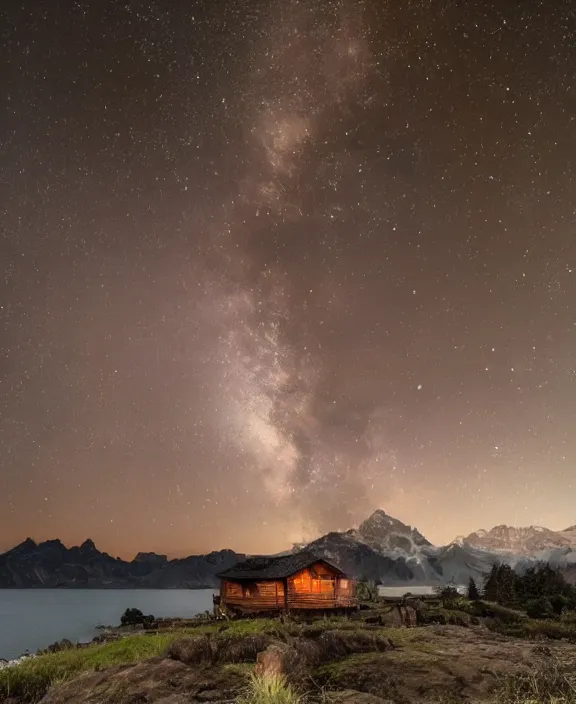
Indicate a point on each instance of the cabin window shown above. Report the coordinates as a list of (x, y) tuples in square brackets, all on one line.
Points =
[(323, 584), (250, 591)]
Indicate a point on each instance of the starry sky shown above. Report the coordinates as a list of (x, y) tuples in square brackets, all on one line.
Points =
[(269, 266)]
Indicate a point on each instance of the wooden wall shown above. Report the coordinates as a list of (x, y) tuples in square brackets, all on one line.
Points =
[(316, 587), (254, 596), (319, 587)]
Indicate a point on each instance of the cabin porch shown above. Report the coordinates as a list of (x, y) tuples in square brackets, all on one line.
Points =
[(301, 592)]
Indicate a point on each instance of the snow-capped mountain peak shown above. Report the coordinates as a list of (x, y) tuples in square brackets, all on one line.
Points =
[(387, 534), (530, 540)]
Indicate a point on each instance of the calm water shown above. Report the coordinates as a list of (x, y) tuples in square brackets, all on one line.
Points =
[(34, 618), (416, 590)]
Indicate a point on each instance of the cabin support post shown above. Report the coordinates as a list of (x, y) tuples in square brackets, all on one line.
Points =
[(286, 602)]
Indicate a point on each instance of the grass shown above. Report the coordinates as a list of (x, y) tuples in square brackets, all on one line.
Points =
[(344, 647), (548, 682), (242, 627), (272, 689), (532, 629), (30, 680)]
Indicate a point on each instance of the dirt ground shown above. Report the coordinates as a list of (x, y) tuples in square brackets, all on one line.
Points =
[(159, 680), (447, 663), (429, 664)]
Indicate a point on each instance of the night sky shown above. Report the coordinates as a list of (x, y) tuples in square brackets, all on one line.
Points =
[(268, 265)]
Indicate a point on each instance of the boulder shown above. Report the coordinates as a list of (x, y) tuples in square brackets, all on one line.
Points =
[(280, 660), (63, 644)]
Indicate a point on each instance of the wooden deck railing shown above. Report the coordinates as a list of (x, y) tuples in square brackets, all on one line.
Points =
[(295, 600)]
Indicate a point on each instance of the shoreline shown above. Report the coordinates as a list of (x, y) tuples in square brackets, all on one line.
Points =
[(108, 634), (83, 587)]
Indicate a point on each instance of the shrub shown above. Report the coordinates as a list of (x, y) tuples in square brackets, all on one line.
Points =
[(558, 602), (134, 617), (502, 613), (367, 591), (539, 608), (443, 617), (448, 595)]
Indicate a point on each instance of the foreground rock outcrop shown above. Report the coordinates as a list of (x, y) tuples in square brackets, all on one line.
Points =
[(344, 666), (158, 680)]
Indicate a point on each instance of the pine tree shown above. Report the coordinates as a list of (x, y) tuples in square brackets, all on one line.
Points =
[(473, 593), (506, 580), (490, 592)]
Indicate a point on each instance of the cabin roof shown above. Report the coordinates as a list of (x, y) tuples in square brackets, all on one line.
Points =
[(263, 567)]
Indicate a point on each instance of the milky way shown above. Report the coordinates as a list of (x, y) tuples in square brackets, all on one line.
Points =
[(304, 75), (270, 266)]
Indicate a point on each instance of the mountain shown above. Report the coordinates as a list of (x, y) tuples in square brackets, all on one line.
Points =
[(382, 549), (52, 564), (359, 559), (533, 541), (386, 550), (387, 534)]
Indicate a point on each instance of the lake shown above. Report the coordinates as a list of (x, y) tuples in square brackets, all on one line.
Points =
[(35, 618), (422, 590)]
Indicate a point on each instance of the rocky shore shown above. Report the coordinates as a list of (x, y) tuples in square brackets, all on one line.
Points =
[(148, 625), (16, 661)]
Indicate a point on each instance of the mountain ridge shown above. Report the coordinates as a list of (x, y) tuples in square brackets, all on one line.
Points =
[(381, 548), (527, 541), (50, 564)]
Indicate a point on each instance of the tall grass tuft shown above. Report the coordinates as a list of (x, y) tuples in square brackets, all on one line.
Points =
[(270, 689), (549, 682)]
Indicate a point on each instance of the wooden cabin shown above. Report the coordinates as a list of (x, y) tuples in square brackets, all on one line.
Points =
[(299, 581)]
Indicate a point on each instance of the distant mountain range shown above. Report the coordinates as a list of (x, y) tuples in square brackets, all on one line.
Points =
[(52, 564), (530, 541), (385, 549), (382, 548)]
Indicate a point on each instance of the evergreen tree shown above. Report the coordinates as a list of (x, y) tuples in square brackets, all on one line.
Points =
[(473, 593), (506, 581), (490, 592)]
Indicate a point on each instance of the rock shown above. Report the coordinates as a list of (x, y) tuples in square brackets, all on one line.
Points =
[(157, 680), (281, 660), (192, 651), (63, 644), (16, 661), (374, 619), (337, 644)]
